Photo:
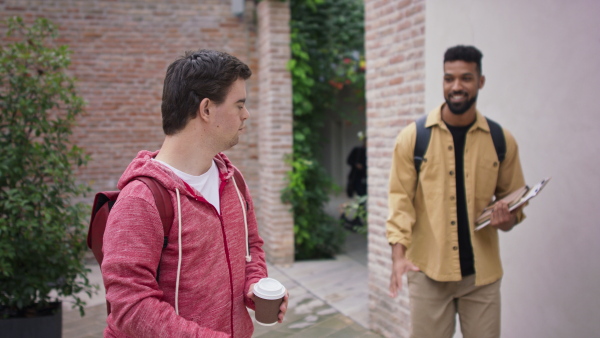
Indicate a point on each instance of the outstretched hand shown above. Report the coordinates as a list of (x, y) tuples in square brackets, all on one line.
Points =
[(400, 266)]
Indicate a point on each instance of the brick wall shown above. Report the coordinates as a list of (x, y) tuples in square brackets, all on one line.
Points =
[(395, 45), (275, 123), (121, 50)]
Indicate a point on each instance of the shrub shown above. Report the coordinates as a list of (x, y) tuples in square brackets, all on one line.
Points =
[(42, 232)]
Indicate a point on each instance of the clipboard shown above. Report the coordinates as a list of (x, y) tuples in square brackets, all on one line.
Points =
[(514, 200)]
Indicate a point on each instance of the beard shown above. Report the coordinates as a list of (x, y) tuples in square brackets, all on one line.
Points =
[(461, 107)]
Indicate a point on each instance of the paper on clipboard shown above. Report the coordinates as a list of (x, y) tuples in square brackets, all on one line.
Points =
[(529, 194)]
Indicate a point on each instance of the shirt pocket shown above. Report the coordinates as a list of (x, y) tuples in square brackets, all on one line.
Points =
[(430, 178), (486, 175)]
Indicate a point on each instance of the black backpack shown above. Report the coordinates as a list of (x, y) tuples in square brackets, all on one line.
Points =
[(424, 134)]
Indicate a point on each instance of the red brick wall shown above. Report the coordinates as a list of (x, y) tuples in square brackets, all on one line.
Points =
[(121, 50), (275, 123), (395, 46)]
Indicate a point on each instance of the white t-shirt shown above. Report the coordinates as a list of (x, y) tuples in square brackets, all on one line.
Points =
[(207, 184)]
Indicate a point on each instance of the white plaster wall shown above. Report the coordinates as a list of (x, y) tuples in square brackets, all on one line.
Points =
[(542, 63)]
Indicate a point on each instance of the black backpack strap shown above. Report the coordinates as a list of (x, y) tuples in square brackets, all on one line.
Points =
[(421, 143), (424, 134), (498, 139)]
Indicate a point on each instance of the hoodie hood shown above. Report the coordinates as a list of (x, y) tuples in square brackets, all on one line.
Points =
[(207, 265), (143, 165)]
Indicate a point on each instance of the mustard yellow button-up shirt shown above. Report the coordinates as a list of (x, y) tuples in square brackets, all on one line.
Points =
[(423, 209)]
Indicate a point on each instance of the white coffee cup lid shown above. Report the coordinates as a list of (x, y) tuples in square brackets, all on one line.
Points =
[(269, 288)]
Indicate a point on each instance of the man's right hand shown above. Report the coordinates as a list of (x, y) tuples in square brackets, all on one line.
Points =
[(400, 265)]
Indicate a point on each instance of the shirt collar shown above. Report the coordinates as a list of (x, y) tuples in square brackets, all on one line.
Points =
[(435, 118)]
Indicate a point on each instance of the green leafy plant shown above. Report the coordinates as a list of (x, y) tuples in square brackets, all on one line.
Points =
[(354, 215), (42, 232), (327, 57)]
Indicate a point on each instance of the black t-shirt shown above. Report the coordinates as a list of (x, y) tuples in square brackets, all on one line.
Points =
[(467, 266)]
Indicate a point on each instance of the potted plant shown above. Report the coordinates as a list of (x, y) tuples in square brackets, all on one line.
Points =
[(42, 231), (354, 214)]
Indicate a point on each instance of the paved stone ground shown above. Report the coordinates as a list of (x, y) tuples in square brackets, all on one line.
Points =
[(90, 326), (328, 298)]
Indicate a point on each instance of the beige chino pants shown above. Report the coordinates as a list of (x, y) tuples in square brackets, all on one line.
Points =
[(434, 305)]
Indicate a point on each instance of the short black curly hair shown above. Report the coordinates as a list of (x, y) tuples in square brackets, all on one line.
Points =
[(464, 53)]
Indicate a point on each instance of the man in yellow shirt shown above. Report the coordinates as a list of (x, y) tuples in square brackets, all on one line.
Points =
[(451, 268)]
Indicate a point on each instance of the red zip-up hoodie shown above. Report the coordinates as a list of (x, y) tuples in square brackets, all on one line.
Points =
[(214, 276)]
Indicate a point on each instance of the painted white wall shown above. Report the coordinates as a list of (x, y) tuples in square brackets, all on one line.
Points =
[(339, 136), (542, 63)]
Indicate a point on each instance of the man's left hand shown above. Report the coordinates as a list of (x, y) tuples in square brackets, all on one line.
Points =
[(502, 218), (282, 307)]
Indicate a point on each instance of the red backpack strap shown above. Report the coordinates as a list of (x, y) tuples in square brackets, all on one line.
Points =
[(100, 209), (163, 203)]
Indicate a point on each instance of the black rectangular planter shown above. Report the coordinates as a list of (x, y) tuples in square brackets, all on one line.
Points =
[(35, 327)]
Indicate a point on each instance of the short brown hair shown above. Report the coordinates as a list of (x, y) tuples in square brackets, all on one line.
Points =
[(190, 79)]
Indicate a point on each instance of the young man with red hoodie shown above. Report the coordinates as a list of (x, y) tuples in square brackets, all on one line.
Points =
[(213, 256)]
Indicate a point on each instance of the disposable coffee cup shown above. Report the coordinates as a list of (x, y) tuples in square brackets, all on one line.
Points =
[(269, 296)]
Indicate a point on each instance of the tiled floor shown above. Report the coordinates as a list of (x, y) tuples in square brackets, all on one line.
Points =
[(328, 298)]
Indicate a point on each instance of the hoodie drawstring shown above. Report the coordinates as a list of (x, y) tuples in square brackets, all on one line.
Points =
[(179, 261), (248, 257)]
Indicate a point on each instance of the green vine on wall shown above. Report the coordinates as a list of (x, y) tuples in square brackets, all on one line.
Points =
[(327, 56)]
